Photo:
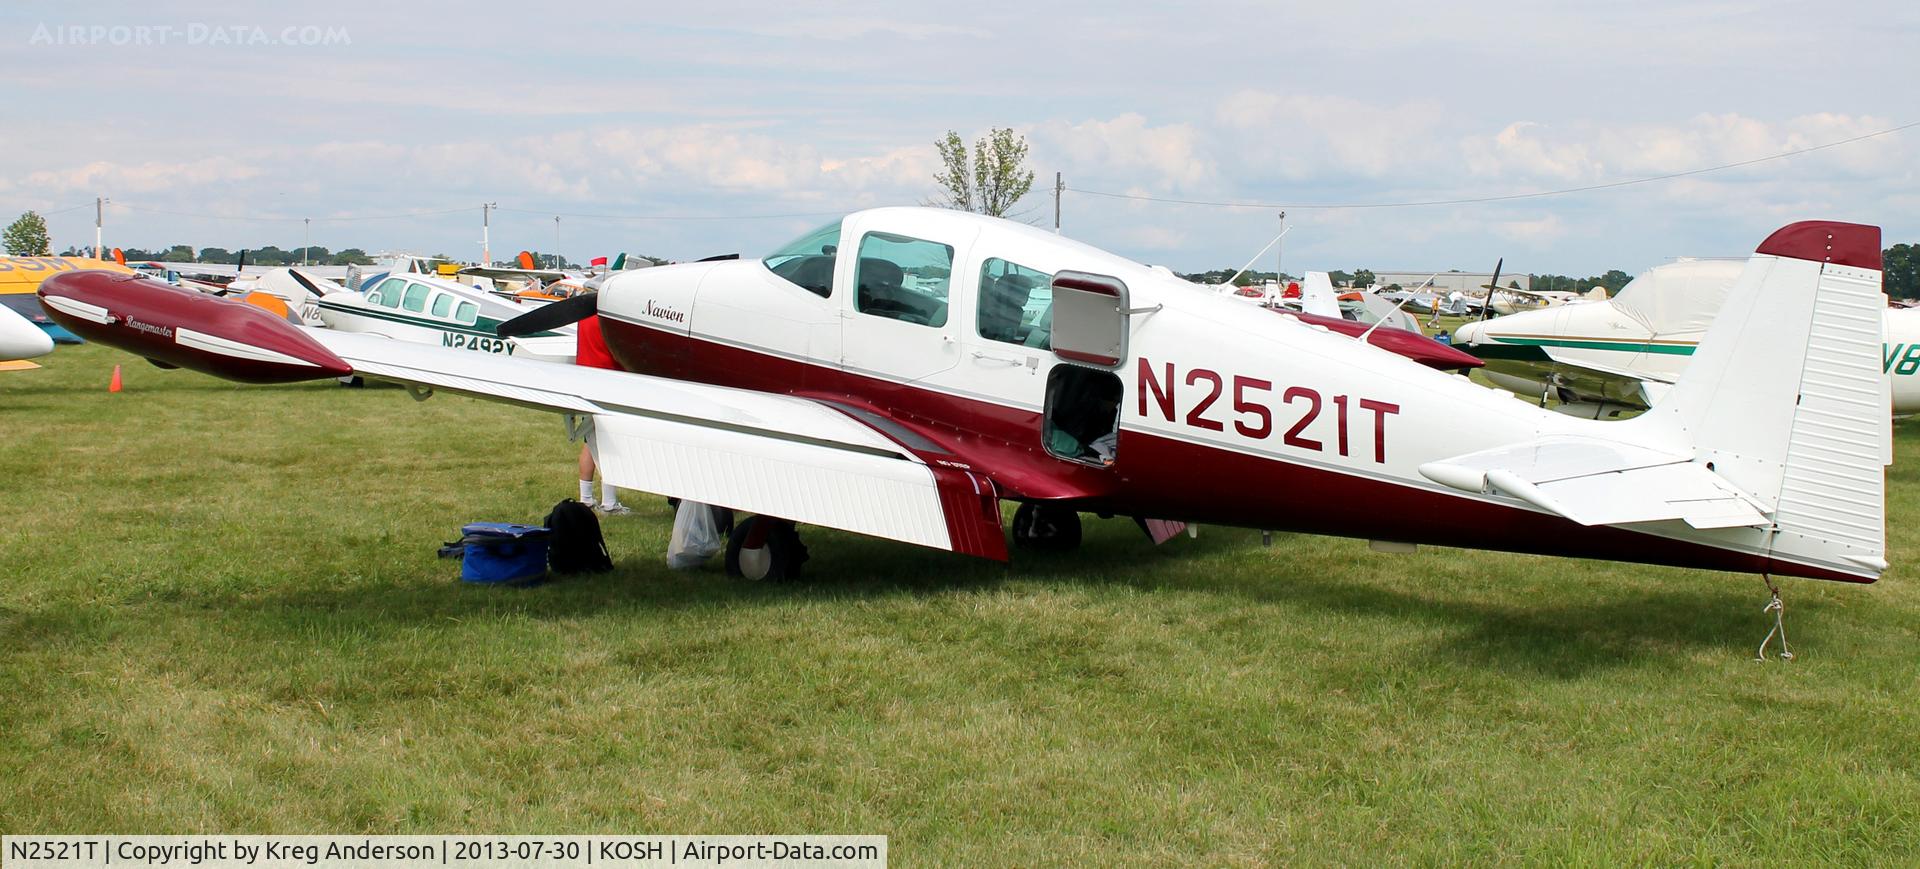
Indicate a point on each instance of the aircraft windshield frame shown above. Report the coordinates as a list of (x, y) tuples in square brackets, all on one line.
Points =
[(814, 243), (807, 261)]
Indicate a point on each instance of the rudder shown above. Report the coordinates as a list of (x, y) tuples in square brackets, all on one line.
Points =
[(1785, 397)]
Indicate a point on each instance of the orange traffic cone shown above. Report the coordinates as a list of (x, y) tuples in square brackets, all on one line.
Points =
[(114, 384)]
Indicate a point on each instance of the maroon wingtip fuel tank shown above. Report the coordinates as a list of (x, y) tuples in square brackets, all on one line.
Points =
[(1412, 345), (185, 329)]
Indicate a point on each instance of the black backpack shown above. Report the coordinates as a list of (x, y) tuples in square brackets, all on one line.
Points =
[(577, 546)]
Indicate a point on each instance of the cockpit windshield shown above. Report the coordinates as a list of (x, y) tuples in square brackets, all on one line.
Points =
[(807, 262)]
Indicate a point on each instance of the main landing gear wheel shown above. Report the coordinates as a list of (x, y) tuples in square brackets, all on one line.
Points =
[(1046, 528), (765, 549)]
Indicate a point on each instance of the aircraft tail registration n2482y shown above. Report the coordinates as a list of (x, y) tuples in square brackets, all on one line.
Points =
[(902, 371)]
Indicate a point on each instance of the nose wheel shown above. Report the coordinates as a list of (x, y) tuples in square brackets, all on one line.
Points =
[(1046, 527), (762, 548)]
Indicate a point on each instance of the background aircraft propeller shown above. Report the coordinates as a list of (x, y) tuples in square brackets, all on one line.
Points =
[(308, 285), (1493, 286), (551, 316)]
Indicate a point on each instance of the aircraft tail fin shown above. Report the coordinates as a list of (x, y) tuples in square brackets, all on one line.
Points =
[(1317, 295), (1785, 397)]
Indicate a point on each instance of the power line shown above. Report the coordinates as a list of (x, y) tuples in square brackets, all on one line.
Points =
[(673, 216), (461, 210), (1474, 200), (271, 219), (65, 210)]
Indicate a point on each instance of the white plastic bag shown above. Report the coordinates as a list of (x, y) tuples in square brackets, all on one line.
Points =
[(696, 536)]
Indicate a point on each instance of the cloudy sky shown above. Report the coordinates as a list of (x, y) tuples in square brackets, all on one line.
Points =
[(736, 125)]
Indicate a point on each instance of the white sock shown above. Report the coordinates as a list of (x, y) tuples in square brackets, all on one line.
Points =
[(586, 491), (609, 496)]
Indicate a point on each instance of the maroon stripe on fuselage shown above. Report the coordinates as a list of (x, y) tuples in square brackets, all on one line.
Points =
[(1169, 478)]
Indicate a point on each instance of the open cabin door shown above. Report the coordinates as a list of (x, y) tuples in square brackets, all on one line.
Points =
[(1081, 422)]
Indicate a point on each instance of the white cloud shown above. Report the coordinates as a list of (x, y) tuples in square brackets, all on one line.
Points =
[(1164, 156), (139, 177), (743, 107)]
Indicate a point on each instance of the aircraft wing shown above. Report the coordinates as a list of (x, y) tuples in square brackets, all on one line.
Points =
[(1594, 481), (497, 272), (782, 456)]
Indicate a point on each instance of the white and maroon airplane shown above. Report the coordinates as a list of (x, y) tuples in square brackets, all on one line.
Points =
[(901, 372)]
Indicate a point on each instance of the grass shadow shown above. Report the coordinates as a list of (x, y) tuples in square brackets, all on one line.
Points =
[(1564, 639)]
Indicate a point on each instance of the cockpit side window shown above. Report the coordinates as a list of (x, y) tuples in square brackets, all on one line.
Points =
[(807, 262), (389, 292), (903, 278), (1016, 303)]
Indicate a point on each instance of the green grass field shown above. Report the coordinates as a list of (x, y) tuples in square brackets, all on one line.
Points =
[(221, 612)]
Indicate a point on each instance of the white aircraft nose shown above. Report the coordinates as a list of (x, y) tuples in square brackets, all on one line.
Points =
[(1468, 333)]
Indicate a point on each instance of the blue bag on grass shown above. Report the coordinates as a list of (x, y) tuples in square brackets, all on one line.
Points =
[(503, 552)]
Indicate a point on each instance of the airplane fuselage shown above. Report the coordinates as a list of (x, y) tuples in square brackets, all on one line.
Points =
[(901, 372), (1226, 416)]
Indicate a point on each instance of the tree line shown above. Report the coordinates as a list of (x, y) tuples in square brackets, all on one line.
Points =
[(262, 256)]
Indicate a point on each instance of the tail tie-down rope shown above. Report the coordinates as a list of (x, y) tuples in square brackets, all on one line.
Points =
[(1779, 610)]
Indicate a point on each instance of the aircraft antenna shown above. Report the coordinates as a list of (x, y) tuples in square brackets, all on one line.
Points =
[(1403, 303), (1256, 257)]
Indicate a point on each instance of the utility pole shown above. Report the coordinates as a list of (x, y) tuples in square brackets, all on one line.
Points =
[(99, 216), (1059, 186), (556, 241), (486, 247), (1280, 249), (309, 246)]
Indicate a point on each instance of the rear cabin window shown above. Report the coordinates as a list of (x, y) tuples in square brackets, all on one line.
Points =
[(442, 304), (1016, 303), (416, 299), (807, 262), (903, 278), (467, 313)]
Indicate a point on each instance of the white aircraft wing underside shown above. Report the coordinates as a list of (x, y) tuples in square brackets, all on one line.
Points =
[(1599, 482), (777, 455)]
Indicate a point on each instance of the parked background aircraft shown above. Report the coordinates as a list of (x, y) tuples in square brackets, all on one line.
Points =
[(878, 375), (1621, 355), (441, 312), (20, 338), (20, 278)]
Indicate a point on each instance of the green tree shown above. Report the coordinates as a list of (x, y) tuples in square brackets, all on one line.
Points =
[(28, 236), (992, 181), (1363, 277), (1900, 274)]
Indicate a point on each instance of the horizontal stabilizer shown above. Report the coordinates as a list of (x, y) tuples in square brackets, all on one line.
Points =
[(1599, 482)]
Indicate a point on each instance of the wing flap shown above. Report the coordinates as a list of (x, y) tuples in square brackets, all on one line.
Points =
[(892, 497), (779, 455)]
